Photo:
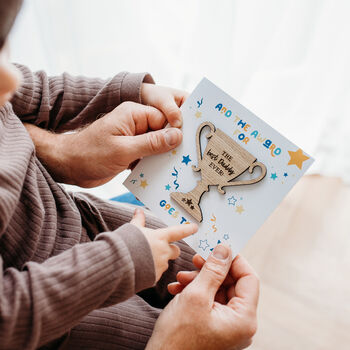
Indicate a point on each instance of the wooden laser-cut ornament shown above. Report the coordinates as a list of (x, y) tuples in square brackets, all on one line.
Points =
[(222, 161)]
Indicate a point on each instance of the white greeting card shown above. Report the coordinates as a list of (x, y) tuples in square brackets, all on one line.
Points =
[(228, 175)]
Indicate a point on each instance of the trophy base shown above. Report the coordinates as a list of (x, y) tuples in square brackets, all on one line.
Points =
[(189, 203)]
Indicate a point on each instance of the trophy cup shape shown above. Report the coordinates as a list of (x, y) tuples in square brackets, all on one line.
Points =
[(221, 163)]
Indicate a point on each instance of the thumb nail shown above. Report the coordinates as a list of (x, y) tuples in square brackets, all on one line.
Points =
[(171, 136), (221, 252)]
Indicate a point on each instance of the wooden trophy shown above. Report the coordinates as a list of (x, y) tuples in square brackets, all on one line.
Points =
[(222, 162)]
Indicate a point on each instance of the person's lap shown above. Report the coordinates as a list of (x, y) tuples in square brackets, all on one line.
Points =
[(127, 325)]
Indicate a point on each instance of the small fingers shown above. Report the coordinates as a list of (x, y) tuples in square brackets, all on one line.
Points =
[(175, 251), (180, 97), (138, 218), (171, 110), (175, 233)]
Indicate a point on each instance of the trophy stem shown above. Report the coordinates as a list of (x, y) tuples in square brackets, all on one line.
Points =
[(190, 201)]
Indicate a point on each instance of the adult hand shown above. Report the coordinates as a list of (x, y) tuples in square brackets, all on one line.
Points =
[(161, 240), (213, 311), (94, 155)]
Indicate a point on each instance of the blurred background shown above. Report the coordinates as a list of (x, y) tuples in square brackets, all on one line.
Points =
[(285, 60)]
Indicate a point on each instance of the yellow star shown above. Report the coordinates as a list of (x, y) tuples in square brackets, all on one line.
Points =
[(173, 151), (198, 114), (239, 209), (297, 158), (144, 184)]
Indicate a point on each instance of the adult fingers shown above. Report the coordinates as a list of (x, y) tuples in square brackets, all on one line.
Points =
[(153, 142), (139, 218), (213, 272), (175, 233), (198, 261), (246, 282), (186, 277), (175, 288)]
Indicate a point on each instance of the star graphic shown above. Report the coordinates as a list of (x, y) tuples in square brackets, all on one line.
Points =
[(226, 236), (297, 158), (186, 159), (203, 244), (141, 175), (198, 114), (144, 184), (189, 202), (273, 176), (232, 200), (285, 174), (239, 209), (173, 151), (167, 187)]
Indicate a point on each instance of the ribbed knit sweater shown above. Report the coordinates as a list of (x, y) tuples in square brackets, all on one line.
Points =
[(52, 274)]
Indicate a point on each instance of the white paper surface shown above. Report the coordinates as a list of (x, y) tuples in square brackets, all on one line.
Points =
[(233, 217)]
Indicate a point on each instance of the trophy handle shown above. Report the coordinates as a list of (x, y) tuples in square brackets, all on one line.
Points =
[(246, 182), (198, 142)]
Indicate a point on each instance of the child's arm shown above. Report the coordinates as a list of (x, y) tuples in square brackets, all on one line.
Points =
[(66, 102), (44, 301)]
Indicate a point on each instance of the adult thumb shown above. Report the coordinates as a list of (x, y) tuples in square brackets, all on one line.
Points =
[(214, 271), (155, 142)]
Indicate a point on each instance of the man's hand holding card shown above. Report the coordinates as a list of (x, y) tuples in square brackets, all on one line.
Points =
[(228, 175)]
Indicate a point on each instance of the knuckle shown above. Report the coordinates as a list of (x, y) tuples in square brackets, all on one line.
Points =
[(154, 142), (126, 105), (216, 269), (173, 112)]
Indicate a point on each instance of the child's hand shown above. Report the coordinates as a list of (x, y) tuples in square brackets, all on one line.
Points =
[(161, 240), (166, 100)]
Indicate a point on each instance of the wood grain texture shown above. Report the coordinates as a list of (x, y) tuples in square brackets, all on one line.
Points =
[(302, 255), (222, 162)]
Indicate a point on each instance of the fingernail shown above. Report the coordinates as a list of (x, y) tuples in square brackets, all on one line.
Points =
[(177, 123), (171, 136), (221, 252)]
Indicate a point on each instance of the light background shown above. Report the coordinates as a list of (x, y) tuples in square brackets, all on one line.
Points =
[(287, 61)]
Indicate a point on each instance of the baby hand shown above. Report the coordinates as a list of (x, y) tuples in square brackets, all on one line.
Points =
[(160, 240)]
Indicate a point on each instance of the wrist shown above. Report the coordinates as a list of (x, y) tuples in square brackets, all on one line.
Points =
[(54, 151)]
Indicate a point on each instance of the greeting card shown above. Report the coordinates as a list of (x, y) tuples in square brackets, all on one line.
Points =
[(228, 175)]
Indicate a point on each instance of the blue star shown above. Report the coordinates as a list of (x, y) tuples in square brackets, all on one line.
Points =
[(203, 244), (226, 236), (167, 187), (273, 176), (285, 174), (141, 175), (232, 200), (186, 159)]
